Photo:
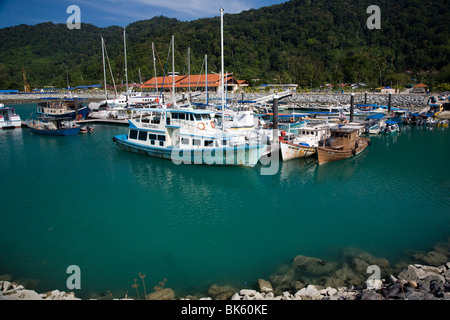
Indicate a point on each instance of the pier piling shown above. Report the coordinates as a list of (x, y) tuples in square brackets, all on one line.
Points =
[(352, 106)]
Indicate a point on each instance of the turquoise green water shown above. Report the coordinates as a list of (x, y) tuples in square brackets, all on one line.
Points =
[(82, 201)]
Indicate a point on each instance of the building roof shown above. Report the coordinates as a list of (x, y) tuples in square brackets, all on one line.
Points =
[(194, 80), (420, 85)]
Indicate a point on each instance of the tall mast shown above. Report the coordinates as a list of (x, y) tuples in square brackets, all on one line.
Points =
[(126, 68), (154, 67), (189, 70), (104, 68), (222, 73), (173, 70), (206, 77)]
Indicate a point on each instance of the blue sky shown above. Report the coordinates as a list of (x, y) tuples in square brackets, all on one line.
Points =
[(103, 13)]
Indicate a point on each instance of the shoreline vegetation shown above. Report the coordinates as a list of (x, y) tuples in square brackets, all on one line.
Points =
[(357, 276)]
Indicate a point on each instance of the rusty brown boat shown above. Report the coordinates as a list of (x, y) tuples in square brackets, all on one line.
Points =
[(343, 143)]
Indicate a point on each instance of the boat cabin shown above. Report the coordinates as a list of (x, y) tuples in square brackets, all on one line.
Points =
[(343, 138), (178, 128)]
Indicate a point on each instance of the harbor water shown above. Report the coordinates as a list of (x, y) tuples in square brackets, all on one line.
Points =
[(82, 201)]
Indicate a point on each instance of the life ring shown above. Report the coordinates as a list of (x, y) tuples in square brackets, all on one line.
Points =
[(213, 125), (292, 120), (201, 126)]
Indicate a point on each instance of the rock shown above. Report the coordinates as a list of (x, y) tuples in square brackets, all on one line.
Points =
[(264, 286), (6, 285), (373, 284), (247, 292), (348, 276), (309, 293), (304, 265), (25, 295), (412, 273), (328, 291), (221, 292), (433, 284), (395, 291), (162, 294), (412, 284), (371, 296), (432, 258)]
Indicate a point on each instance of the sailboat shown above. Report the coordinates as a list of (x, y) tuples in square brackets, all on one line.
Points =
[(117, 108)]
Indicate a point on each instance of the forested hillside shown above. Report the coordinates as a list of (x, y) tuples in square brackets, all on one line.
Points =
[(308, 42)]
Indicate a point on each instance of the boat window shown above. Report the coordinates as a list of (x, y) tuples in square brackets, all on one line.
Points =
[(152, 136), (198, 117), (208, 143), (195, 142), (174, 115), (161, 138), (161, 143), (142, 135), (156, 120), (184, 140), (224, 142), (206, 117), (182, 116), (191, 117), (133, 134), (152, 142)]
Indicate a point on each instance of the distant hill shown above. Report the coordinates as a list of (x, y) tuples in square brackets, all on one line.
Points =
[(308, 42)]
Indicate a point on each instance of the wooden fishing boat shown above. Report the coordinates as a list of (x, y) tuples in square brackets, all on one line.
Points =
[(343, 143)]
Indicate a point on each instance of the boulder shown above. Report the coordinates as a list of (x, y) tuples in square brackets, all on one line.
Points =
[(162, 294), (431, 258), (264, 286), (309, 293), (305, 266), (221, 292), (412, 273)]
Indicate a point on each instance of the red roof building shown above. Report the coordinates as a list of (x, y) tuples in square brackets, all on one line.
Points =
[(195, 82)]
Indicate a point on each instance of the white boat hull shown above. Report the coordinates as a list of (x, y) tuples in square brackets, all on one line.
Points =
[(291, 151)]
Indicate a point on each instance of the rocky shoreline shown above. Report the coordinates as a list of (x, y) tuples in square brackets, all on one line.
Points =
[(403, 100), (416, 282), (357, 276)]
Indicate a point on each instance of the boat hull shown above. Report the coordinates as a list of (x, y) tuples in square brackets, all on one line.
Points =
[(59, 132), (326, 155), (247, 156), (291, 151)]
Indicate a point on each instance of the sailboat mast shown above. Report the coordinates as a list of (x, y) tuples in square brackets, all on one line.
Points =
[(222, 73), (206, 77), (126, 68), (154, 67), (173, 70), (104, 68), (189, 70)]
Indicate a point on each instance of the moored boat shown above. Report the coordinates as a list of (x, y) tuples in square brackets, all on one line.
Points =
[(187, 136), (391, 127), (63, 108), (53, 126), (305, 143), (8, 118), (343, 143)]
